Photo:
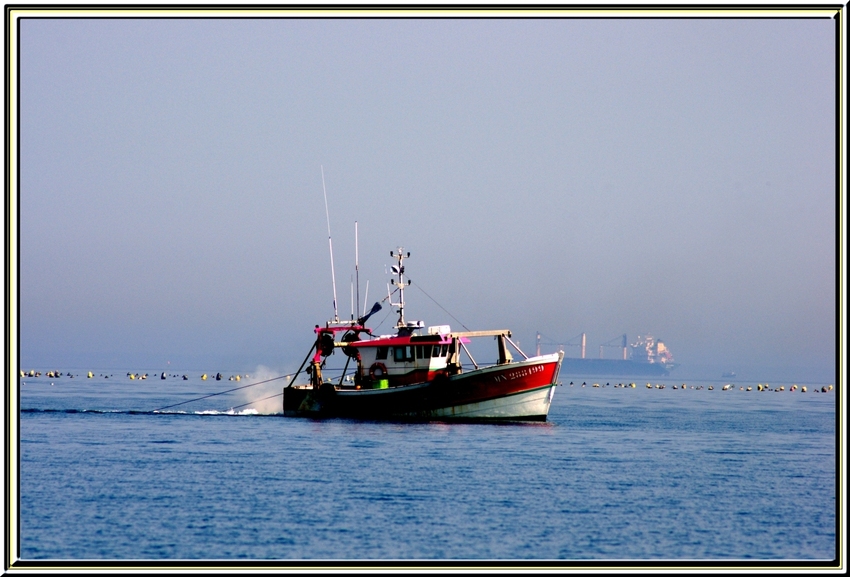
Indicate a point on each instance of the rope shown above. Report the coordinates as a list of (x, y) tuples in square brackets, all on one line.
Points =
[(386, 316), (222, 392), (439, 305)]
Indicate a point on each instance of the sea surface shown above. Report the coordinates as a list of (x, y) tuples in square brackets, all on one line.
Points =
[(614, 474)]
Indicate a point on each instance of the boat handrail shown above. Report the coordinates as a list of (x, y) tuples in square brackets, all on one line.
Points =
[(473, 334)]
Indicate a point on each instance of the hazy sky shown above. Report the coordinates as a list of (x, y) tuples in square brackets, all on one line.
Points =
[(675, 177)]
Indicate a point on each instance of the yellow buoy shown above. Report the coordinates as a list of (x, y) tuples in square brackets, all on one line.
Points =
[(90, 375), (204, 377), (803, 389)]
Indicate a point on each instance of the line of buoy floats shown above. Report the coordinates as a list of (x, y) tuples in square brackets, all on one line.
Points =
[(133, 376), (218, 376), (49, 374), (726, 387)]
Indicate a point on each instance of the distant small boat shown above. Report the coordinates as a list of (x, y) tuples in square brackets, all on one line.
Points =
[(728, 375)]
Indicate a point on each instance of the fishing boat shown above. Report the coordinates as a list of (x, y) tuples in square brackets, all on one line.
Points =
[(417, 373)]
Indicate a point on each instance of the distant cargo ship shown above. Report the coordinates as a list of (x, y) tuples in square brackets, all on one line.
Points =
[(643, 358)]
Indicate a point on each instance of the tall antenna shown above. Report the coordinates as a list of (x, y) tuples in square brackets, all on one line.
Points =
[(399, 271), (357, 270), (330, 244)]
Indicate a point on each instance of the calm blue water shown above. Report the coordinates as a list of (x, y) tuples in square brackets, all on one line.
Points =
[(614, 474)]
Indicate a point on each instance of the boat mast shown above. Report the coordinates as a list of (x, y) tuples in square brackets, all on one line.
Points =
[(357, 269), (399, 271), (330, 244)]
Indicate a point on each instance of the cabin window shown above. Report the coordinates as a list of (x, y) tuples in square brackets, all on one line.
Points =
[(381, 354), (403, 354), (436, 352), (445, 350), (423, 351)]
